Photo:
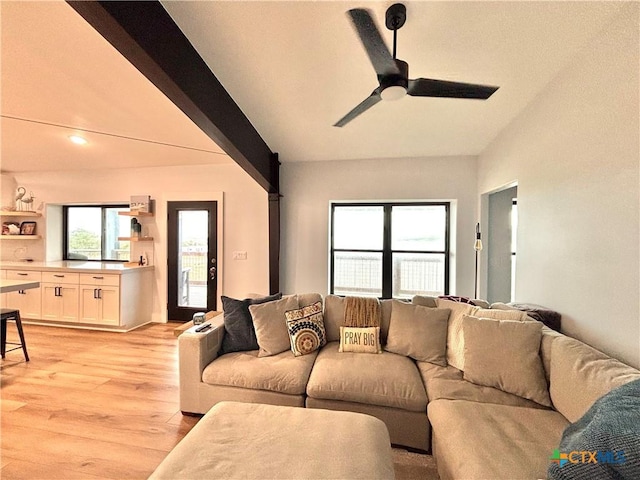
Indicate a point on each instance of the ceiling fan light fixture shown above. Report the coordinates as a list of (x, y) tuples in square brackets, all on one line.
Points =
[(394, 92), (78, 140)]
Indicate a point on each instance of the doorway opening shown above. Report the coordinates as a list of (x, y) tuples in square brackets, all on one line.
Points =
[(501, 245), (191, 246)]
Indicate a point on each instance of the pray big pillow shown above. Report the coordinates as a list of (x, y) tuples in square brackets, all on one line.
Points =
[(360, 339)]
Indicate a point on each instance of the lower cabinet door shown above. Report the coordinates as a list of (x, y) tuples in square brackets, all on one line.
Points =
[(59, 302), (89, 305), (68, 298), (110, 299), (49, 301), (100, 305), (27, 301)]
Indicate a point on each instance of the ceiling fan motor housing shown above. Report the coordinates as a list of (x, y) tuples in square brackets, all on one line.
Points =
[(394, 80)]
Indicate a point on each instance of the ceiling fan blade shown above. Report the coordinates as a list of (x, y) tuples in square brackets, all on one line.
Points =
[(426, 87), (370, 37), (365, 105)]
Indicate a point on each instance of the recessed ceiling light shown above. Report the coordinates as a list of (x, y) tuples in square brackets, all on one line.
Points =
[(78, 140)]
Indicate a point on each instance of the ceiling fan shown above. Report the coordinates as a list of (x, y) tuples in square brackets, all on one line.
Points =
[(393, 74)]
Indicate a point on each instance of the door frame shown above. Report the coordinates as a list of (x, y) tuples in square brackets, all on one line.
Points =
[(486, 234), (175, 310), (161, 215)]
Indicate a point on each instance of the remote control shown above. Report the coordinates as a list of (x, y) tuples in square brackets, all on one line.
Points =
[(204, 327)]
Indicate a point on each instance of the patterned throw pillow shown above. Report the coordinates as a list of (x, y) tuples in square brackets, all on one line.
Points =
[(306, 329), (360, 339)]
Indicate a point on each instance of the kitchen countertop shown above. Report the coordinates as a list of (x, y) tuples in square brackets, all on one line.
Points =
[(79, 266)]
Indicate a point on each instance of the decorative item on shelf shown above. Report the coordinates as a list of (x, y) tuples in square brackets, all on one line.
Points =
[(140, 203), (10, 228), (136, 228), (477, 246), (28, 228), (24, 204)]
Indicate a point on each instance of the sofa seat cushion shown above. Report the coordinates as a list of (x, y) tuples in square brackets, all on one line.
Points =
[(386, 379), (483, 440), (283, 373), (448, 383)]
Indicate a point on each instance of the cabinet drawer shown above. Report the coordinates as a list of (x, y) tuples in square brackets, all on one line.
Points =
[(99, 279), (24, 275), (60, 277)]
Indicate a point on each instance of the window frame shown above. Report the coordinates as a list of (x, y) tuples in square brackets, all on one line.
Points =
[(65, 229), (387, 252)]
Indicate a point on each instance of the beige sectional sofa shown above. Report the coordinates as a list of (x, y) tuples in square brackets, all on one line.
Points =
[(476, 429)]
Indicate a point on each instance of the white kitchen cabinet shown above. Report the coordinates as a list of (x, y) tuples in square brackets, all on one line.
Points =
[(98, 295), (59, 296), (27, 301), (100, 305)]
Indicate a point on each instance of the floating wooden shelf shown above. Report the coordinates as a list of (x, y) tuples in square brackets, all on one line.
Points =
[(133, 213), (20, 237), (14, 213), (135, 239)]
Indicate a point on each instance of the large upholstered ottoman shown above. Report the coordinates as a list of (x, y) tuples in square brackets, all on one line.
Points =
[(254, 441)]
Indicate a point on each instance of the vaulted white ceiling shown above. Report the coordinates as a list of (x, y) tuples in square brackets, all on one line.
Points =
[(293, 67)]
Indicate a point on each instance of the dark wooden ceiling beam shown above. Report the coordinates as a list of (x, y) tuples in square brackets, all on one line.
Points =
[(146, 35)]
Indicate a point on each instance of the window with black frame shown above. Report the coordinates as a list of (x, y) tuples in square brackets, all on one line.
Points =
[(389, 250), (91, 232)]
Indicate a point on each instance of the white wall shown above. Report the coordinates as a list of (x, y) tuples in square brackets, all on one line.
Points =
[(309, 187), (575, 155), (245, 215)]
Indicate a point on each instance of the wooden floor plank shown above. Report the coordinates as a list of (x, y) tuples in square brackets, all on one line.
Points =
[(10, 405), (50, 377), (23, 470), (90, 404), (72, 452), (122, 429)]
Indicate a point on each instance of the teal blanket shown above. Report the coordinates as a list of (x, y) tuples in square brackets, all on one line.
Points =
[(605, 442)]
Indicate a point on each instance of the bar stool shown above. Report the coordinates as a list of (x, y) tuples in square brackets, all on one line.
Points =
[(6, 315)]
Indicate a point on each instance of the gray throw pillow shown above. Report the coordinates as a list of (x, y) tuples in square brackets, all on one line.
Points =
[(239, 333)]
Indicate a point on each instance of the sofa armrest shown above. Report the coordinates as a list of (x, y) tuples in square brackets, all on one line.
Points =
[(196, 350)]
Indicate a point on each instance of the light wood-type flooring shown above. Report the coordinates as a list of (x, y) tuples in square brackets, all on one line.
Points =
[(90, 404)]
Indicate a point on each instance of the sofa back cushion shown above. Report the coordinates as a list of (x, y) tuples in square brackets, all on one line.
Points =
[(581, 374), (546, 345), (515, 315), (306, 299)]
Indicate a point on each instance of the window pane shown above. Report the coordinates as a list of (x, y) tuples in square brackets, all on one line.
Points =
[(88, 238), (419, 227), (359, 228), (418, 274), (85, 233), (357, 273), (193, 236), (116, 226)]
